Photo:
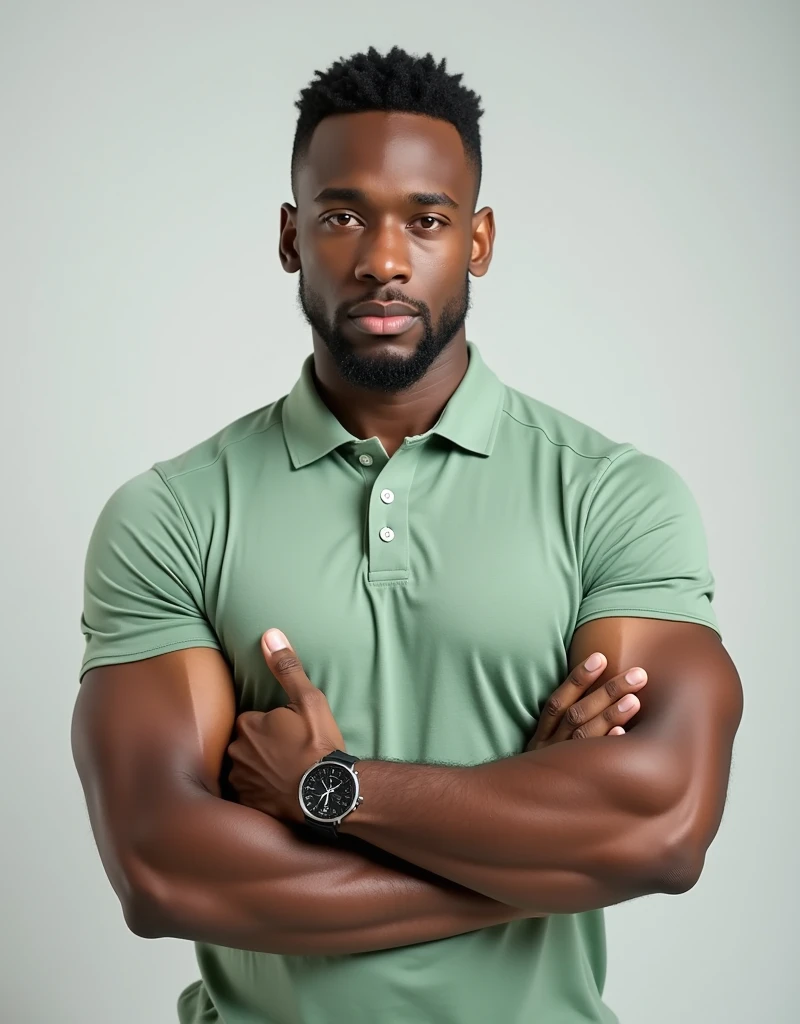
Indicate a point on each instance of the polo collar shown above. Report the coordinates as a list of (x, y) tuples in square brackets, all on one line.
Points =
[(470, 419)]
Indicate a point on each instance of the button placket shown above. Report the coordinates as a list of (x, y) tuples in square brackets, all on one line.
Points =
[(370, 458), (387, 532)]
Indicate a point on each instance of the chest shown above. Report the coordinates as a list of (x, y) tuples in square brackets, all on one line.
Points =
[(441, 643)]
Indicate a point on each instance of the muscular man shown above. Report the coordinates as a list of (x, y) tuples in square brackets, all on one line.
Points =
[(399, 563)]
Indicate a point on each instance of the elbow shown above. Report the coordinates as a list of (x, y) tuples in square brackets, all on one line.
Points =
[(681, 871), (675, 870), (144, 902), (143, 918), (660, 859), (154, 892)]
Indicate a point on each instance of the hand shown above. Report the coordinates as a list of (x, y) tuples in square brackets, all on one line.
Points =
[(273, 749), (565, 716)]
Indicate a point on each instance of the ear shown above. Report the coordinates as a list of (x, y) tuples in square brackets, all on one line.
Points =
[(287, 240), (482, 241)]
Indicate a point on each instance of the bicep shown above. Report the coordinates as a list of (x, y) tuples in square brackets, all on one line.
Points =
[(142, 733), (681, 738), (691, 677)]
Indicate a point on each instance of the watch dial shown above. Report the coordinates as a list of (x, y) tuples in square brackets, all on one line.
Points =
[(328, 791)]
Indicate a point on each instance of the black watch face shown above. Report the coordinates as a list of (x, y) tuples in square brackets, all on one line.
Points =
[(328, 791)]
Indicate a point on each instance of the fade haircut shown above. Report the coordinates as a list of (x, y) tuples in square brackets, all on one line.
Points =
[(398, 81)]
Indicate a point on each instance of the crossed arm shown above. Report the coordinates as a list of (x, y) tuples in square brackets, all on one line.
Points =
[(148, 739), (572, 827), (586, 823)]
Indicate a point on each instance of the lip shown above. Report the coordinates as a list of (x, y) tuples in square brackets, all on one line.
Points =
[(383, 325), (382, 309)]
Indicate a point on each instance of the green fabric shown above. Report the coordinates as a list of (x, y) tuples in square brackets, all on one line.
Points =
[(513, 524)]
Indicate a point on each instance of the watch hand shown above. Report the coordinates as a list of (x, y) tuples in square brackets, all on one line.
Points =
[(321, 795)]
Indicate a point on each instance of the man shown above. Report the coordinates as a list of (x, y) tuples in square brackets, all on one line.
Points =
[(323, 701)]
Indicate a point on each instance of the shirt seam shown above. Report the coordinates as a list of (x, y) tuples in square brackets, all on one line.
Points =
[(560, 444), (581, 553), (193, 535), (182, 511), (158, 647), (658, 611), (208, 465)]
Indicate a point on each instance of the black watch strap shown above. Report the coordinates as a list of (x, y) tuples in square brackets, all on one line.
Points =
[(331, 828), (339, 755), (323, 828)]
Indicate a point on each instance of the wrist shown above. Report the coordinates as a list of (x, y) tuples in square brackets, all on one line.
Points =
[(360, 816), (329, 792)]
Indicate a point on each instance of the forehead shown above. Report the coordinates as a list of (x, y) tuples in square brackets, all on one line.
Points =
[(391, 151)]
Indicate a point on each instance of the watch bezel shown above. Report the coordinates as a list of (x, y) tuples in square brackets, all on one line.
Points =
[(356, 796)]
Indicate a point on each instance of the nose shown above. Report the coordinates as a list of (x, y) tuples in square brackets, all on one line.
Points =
[(384, 256)]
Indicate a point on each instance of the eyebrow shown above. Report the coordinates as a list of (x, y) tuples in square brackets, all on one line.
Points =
[(414, 198)]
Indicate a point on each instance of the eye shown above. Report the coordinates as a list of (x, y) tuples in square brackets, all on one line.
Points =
[(429, 224), (433, 225), (339, 220)]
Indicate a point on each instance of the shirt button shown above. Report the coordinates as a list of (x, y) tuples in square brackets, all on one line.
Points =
[(387, 534), (387, 496), (365, 460)]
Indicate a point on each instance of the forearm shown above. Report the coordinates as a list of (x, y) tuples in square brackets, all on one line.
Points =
[(565, 829), (214, 871)]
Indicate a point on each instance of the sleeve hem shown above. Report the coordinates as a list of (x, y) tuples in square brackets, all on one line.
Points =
[(648, 613), (120, 659)]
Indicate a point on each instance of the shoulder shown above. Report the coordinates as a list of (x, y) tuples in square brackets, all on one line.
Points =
[(596, 463), (236, 441), (552, 429), (156, 498)]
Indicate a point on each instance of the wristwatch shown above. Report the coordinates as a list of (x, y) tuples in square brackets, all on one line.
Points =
[(329, 791)]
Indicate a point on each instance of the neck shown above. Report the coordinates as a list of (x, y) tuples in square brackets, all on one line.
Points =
[(391, 417)]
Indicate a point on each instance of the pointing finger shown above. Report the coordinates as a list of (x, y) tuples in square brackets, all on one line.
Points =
[(287, 668)]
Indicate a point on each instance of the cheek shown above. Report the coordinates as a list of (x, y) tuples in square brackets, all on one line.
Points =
[(320, 283), (441, 276), (327, 258), (443, 265)]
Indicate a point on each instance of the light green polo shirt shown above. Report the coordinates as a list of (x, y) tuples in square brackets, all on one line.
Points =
[(433, 597)]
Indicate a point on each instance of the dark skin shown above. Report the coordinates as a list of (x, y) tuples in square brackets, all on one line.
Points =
[(574, 825), (649, 830), (149, 740), (381, 243)]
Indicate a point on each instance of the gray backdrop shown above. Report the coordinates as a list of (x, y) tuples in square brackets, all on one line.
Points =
[(641, 159)]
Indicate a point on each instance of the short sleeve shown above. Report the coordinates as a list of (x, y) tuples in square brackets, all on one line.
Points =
[(644, 549), (143, 579)]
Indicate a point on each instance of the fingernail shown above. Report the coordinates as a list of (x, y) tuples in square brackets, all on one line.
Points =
[(276, 641), (636, 675), (627, 703), (593, 663)]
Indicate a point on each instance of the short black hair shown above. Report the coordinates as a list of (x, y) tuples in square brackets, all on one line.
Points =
[(398, 81)]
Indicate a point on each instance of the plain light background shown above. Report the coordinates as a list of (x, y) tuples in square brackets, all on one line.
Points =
[(642, 162)]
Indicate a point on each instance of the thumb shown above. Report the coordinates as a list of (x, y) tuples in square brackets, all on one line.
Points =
[(287, 667)]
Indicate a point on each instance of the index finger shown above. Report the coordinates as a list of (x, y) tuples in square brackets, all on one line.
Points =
[(572, 689), (288, 670)]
